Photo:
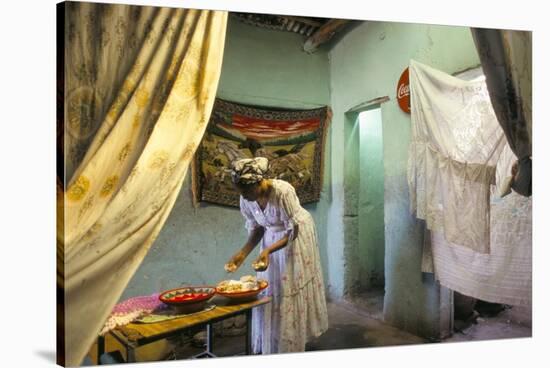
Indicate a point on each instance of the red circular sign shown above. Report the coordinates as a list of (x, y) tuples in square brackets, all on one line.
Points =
[(403, 92)]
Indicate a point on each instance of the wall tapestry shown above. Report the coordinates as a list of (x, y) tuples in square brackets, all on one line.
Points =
[(292, 140)]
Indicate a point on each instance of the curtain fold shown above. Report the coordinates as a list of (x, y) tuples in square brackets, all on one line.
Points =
[(456, 141), (506, 59), (140, 83)]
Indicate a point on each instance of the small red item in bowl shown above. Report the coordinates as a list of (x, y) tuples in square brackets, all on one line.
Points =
[(187, 295)]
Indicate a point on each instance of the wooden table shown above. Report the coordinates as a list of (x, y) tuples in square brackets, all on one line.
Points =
[(134, 335)]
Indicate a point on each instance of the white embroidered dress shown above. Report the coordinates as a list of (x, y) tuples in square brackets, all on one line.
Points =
[(298, 310)]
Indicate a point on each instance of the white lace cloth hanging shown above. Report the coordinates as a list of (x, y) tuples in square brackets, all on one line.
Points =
[(504, 275), (455, 144)]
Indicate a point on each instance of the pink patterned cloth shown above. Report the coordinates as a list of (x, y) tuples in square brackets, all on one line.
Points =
[(132, 309)]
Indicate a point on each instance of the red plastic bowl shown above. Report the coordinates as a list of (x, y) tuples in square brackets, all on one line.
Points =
[(187, 295)]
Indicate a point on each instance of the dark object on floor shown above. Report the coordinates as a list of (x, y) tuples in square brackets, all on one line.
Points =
[(112, 357), (340, 337), (464, 314), (486, 309), (199, 340), (87, 362), (461, 325), (463, 306)]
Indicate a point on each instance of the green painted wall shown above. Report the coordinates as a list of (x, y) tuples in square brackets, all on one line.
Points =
[(268, 68), (366, 64), (260, 67)]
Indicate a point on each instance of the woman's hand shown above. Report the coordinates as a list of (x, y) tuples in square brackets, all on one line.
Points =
[(262, 262), (235, 262)]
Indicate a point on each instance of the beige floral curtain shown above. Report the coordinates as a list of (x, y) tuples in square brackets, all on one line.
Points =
[(139, 87), (506, 59)]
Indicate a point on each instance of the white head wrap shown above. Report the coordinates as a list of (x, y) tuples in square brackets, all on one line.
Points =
[(249, 170)]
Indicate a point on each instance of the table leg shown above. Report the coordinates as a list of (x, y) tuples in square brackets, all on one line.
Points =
[(209, 344), (209, 336), (100, 348), (130, 354), (248, 350)]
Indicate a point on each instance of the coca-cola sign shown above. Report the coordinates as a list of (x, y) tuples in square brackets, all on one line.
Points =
[(403, 92)]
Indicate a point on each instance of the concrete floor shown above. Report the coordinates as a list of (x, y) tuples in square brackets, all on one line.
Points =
[(356, 323), (513, 322), (350, 327), (355, 327)]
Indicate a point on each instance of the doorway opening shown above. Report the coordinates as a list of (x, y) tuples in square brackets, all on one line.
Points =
[(364, 210)]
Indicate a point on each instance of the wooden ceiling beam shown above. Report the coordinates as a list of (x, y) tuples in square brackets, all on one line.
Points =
[(324, 34)]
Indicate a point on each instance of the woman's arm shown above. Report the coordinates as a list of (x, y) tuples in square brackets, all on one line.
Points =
[(253, 239), (281, 243), (238, 258), (262, 262)]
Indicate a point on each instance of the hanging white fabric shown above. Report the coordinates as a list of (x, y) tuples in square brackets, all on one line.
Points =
[(456, 141), (504, 275)]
